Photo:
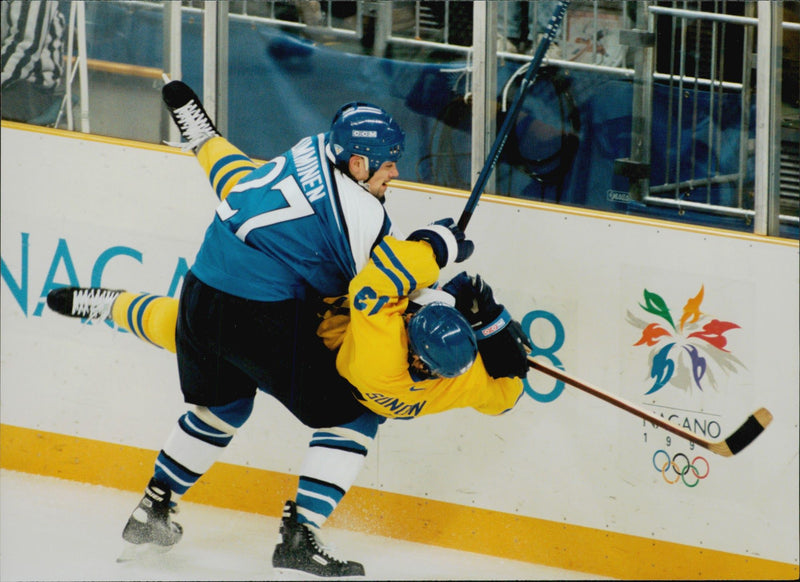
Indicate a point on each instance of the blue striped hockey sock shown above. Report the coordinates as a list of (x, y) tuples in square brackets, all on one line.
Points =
[(334, 458), (196, 442)]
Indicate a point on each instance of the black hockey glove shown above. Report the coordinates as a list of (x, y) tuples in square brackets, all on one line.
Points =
[(449, 242), (505, 353), (503, 345), (461, 288), (474, 299)]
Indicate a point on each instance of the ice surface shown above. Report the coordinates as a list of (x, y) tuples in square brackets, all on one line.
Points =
[(53, 529)]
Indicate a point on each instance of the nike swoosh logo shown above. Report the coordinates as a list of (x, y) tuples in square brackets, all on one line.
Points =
[(414, 389)]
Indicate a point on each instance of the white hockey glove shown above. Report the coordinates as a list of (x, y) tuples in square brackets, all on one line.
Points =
[(449, 242)]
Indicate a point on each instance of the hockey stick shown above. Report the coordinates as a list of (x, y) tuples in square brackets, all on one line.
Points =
[(741, 437), (505, 129)]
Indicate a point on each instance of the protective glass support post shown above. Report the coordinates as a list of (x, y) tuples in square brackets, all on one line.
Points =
[(484, 87), (171, 62), (215, 62), (768, 129), (76, 28), (84, 71), (748, 71), (383, 28), (640, 41)]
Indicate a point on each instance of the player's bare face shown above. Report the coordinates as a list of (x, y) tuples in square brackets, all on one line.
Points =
[(380, 179)]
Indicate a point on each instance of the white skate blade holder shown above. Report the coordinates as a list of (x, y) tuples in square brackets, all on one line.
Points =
[(131, 552)]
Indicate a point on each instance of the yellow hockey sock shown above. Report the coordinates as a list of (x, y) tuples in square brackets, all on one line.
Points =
[(149, 317), (224, 164)]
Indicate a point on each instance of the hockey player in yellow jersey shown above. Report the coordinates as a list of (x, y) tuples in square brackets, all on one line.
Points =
[(392, 356)]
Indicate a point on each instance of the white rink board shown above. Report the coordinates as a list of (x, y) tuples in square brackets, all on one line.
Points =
[(71, 208)]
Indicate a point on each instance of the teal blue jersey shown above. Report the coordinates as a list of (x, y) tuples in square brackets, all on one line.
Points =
[(296, 223)]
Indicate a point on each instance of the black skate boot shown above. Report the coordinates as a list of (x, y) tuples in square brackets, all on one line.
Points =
[(301, 550), (149, 527), (85, 302), (188, 114)]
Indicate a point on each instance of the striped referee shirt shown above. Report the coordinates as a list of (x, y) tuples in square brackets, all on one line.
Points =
[(33, 44)]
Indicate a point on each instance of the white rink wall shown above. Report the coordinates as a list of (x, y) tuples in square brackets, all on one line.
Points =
[(86, 211)]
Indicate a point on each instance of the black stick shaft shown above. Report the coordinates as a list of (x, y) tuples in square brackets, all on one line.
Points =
[(505, 129)]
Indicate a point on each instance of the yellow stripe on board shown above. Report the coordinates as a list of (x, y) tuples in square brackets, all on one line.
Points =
[(445, 191), (548, 543), (597, 214), (94, 138)]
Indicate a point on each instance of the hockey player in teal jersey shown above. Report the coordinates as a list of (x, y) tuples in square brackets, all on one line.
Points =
[(284, 234)]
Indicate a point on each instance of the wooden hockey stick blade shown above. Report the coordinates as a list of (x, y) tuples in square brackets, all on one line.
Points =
[(744, 435), (736, 442)]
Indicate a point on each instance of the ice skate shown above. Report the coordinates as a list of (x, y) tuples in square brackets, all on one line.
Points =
[(188, 114), (302, 551), (149, 528), (85, 302)]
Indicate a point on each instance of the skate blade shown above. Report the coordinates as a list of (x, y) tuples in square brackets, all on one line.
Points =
[(291, 574), (132, 552)]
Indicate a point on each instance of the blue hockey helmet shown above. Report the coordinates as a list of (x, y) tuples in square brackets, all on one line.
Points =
[(443, 340), (363, 129)]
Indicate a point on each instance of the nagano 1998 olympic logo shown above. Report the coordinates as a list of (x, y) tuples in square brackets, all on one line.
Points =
[(686, 353)]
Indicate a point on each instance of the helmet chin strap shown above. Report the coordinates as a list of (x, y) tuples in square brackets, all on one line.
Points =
[(345, 169), (363, 183)]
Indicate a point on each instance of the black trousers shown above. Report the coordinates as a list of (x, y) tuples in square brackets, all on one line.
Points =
[(228, 347)]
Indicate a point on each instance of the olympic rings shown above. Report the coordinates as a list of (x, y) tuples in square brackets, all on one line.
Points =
[(676, 463)]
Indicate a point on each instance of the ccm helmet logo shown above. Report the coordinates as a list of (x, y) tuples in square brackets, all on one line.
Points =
[(487, 331), (364, 133)]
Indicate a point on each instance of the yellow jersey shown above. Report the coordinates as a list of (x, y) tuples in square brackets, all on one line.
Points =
[(373, 355)]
